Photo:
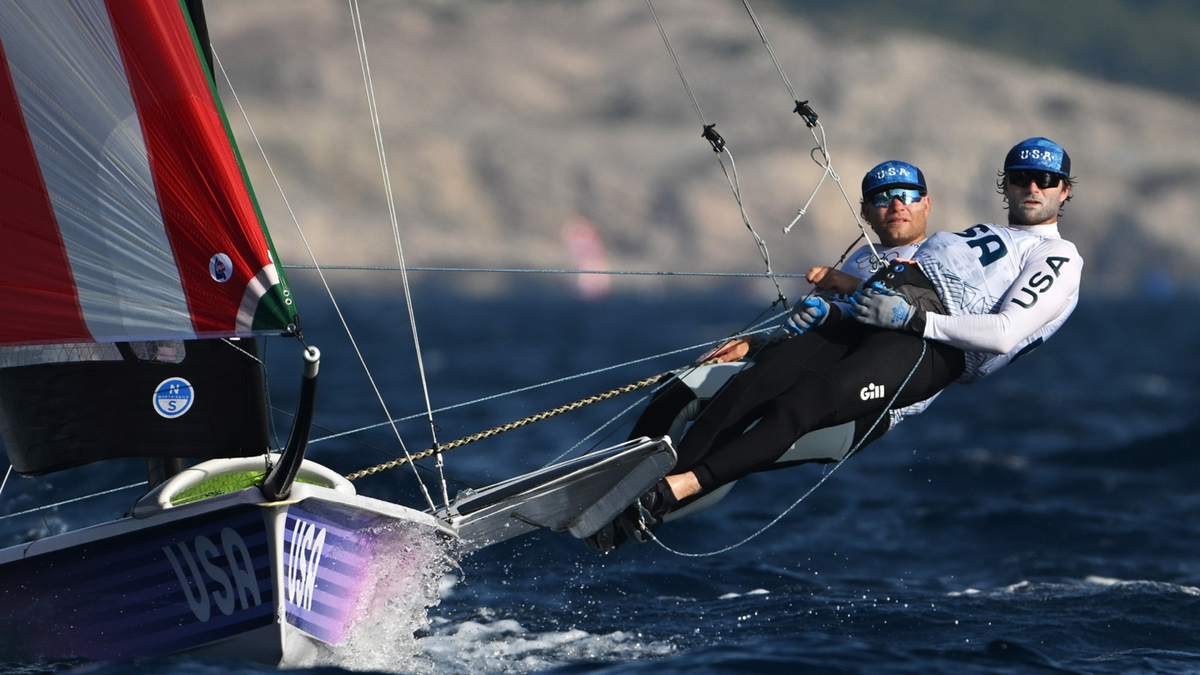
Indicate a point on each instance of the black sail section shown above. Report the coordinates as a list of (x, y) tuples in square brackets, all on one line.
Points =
[(195, 11), (55, 416)]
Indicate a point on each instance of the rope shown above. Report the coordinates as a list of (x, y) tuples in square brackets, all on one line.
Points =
[(360, 40), (598, 429), (753, 330), (719, 146), (886, 410), (71, 501), (6, 475), (509, 270), (495, 431), (266, 383), (810, 120), (312, 256)]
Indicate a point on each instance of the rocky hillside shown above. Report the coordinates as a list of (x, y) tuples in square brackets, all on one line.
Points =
[(506, 119)]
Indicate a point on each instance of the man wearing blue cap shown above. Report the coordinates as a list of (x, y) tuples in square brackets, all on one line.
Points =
[(969, 303), (1006, 289), (896, 205)]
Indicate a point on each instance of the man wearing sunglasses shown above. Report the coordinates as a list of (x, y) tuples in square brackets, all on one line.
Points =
[(969, 303), (1006, 290), (896, 205)]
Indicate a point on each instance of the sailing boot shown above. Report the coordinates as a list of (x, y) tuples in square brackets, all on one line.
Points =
[(645, 516), (607, 539)]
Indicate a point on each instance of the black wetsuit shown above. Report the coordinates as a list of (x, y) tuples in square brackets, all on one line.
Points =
[(835, 373)]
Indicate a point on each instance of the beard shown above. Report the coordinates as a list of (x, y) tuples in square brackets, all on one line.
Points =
[(1026, 214)]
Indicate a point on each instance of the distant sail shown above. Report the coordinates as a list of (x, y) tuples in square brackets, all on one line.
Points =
[(125, 211), (586, 250)]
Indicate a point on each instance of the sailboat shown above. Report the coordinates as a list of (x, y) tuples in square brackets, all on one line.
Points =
[(138, 278)]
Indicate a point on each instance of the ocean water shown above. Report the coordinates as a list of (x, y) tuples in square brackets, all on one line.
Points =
[(1046, 519)]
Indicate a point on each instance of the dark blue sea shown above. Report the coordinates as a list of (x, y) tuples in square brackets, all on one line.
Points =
[(1046, 519)]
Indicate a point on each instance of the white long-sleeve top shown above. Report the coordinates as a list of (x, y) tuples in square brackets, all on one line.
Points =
[(1007, 290)]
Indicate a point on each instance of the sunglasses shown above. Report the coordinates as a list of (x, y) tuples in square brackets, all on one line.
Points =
[(905, 196), (1044, 179)]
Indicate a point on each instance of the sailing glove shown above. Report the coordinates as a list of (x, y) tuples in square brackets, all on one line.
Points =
[(809, 313), (877, 305)]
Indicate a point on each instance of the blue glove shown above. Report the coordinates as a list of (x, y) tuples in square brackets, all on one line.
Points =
[(809, 313), (878, 305)]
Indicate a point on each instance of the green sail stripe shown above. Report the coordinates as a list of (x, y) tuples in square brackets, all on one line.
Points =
[(280, 310)]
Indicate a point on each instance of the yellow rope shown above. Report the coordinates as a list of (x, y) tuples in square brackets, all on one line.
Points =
[(641, 384)]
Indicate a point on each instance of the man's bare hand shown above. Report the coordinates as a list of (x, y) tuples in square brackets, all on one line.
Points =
[(734, 350), (836, 281)]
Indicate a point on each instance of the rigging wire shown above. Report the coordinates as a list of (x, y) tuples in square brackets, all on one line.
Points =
[(600, 428), (720, 147), (649, 273), (754, 330), (378, 449), (71, 501), (810, 120), (495, 431), (266, 384), (825, 477), (360, 40), (324, 282)]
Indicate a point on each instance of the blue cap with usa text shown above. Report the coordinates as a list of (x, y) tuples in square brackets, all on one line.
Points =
[(1038, 154), (890, 174)]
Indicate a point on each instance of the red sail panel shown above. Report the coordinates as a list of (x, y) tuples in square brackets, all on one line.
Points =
[(35, 278), (204, 201)]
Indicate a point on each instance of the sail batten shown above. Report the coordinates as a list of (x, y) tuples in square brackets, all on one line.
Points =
[(134, 219)]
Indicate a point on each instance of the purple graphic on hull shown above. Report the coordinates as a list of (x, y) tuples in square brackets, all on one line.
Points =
[(144, 593), (327, 553), (341, 565)]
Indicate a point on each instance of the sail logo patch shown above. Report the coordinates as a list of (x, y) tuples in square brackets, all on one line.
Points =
[(220, 267), (173, 397)]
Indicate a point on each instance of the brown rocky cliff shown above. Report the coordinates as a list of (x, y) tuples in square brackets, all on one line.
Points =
[(504, 119)]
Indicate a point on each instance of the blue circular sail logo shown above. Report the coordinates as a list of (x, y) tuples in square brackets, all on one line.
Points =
[(221, 268), (173, 397)]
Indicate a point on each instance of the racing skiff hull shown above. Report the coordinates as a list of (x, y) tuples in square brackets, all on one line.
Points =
[(228, 577)]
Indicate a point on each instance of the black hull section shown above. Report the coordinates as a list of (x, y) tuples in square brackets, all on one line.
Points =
[(62, 415)]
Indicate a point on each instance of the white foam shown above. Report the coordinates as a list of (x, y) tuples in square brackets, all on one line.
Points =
[(505, 646), (757, 591), (1088, 585), (405, 578)]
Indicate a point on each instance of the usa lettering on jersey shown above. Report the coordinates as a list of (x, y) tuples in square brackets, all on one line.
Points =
[(1041, 282), (973, 272)]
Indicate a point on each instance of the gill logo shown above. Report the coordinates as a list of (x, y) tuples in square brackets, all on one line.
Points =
[(235, 572), (871, 391), (304, 559)]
